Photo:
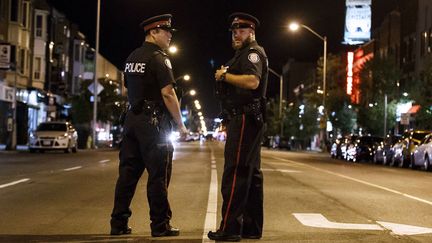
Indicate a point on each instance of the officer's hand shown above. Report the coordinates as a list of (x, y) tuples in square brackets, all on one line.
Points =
[(219, 72), (183, 132)]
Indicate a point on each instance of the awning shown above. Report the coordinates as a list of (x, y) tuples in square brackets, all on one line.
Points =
[(414, 109)]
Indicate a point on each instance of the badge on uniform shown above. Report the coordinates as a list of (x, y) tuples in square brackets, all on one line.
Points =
[(168, 63), (253, 58)]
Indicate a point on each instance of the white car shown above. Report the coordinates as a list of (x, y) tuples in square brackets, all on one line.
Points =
[(54, 136), (422, 154)]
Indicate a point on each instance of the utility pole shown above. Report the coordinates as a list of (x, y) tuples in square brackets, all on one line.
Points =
[(95, 94)]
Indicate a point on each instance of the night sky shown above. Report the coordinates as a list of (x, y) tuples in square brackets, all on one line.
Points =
[(203, 38)]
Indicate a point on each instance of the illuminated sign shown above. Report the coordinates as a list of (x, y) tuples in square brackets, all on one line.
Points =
[(357, 21), (350, 58)]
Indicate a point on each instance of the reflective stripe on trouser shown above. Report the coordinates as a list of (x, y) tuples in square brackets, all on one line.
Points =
[(143, 147), (242, 181)]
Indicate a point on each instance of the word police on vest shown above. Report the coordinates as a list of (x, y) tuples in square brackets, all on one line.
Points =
[(132, 67)]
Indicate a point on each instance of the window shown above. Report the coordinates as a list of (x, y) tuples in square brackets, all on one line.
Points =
[(77, 52), (25, 14), (423, 41), (14, 8), (37, 67), (22, 61), (39, 24), (429, 48)]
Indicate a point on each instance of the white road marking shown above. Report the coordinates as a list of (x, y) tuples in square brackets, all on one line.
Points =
[(404, 229), (14, 182), (319, 221), (361, 181), (73, 168), (104, 161), (281, 170), (211, 215)]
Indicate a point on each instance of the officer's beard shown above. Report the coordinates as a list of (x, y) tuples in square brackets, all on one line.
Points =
[(246, 42)]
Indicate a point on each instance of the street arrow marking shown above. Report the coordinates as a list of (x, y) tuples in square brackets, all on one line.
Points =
[(319, 221), (404, 229)]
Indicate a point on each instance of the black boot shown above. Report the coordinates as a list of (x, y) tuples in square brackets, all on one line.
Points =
[(121, 231), (223, 236), (170, 231)]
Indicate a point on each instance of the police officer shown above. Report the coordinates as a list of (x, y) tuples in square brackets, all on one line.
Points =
[(242, 87), (153, 104)]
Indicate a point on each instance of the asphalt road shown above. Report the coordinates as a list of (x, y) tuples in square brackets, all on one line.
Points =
[(308, 197)]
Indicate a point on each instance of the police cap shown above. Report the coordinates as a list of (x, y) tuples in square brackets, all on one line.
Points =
[(161, 21), (243, 20)]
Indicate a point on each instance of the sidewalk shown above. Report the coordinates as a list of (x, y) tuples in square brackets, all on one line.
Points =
[(19, 148)]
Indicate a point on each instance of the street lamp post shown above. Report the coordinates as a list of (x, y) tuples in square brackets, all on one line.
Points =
[(280, 97), (295, 27), (95, 93)]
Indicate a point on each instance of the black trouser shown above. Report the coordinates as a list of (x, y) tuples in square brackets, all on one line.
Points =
[(144, 146), (242, 180)]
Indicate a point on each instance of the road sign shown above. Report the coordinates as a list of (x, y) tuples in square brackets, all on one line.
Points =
[(6, 93), (99, 88), (405, 117), (5, 56)]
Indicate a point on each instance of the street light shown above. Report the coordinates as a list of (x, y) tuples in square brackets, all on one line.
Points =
[(172, 49), (280, 97), (192, 92), (185, 77), (294, 27)]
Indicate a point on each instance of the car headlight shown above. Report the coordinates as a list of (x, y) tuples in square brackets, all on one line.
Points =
[(63, 136)]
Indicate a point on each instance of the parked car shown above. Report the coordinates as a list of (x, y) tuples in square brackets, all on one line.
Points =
[(402, 150), (384, 153), (335, 150), (363, 148), (422, 155), (347, 144), (54, 136)]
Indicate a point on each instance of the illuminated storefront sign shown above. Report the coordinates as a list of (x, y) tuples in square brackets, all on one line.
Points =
[(357, 21), (350, 61)]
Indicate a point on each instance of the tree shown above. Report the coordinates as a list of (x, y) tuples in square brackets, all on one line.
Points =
[(421, 90), (337, 101), (109, 108), (379, 79)]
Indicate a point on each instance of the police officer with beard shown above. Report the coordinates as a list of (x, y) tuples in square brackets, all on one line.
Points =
[(242, 84), (153, 104)]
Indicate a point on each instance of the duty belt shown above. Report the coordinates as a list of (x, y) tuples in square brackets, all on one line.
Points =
[(248, 109), (148, 107)]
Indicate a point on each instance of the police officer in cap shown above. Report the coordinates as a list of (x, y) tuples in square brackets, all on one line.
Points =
[(242, 83), (145, 145)]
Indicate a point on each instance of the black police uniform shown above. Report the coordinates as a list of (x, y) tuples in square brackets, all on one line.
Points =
[(145, 144), (242, 180)]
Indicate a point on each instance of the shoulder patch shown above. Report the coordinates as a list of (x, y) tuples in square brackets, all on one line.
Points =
[(253, 57), (168, 63)]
